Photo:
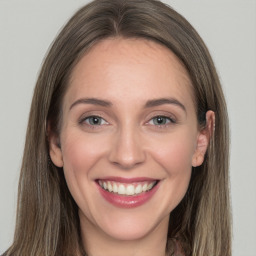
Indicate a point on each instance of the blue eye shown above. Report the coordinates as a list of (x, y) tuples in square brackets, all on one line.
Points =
[(94, 120), (161, 120)]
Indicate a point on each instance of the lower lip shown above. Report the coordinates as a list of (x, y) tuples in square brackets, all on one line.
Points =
[(128, 201)]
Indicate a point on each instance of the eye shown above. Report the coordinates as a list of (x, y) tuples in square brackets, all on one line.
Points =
[(161, 120), (94, 120)]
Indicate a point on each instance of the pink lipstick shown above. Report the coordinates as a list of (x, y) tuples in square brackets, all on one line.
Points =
[(127, 193)]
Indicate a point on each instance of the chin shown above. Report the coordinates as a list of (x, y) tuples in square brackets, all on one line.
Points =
[(128, 225)]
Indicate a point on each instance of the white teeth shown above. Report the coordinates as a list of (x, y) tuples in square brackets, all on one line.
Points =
[(138, 189), (130, 190), (121, 190), (115, 188), (110, 189), (144, 188), (126, 189), (150, 186)]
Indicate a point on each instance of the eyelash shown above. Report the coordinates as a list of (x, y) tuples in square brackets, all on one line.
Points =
[(162, 118), (167, 119), (95, 117)]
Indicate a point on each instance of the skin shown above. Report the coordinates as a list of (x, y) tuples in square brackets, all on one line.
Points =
[(128, 142)]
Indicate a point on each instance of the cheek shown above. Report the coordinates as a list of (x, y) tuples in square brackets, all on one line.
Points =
[(175, 157), (175, 153), (80, 152)]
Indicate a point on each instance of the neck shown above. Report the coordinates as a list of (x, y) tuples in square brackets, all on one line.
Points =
[(97, 243)]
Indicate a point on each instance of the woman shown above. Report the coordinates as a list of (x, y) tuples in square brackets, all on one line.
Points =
[(127, 141)]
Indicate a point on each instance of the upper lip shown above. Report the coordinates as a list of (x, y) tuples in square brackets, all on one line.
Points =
[(127, 180)]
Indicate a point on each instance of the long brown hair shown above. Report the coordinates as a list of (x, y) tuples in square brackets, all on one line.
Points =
[(47, 216)]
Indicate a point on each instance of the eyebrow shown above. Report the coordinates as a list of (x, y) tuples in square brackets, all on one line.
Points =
[(92, 101), (149, 103), (162, 101)]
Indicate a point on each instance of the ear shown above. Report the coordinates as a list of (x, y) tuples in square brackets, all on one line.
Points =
[(203, 139), (55, 148)]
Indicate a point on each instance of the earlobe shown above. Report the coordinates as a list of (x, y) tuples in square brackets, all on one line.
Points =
[(54, 148), (55, 152), (203, 139), (197, 159)]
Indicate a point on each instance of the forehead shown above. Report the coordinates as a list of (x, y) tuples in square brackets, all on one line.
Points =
[(130, 64)]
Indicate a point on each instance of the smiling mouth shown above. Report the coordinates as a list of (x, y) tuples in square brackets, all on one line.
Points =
[(127, 189)]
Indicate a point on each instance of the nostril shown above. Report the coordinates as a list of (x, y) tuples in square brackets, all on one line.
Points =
[(126, 165), (127, 159)]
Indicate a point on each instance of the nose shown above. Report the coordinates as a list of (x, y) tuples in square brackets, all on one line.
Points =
[(127, 149)]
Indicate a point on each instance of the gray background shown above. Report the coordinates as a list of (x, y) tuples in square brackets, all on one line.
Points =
[(229, 29)]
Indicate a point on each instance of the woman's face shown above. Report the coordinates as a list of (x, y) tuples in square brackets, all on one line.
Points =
[(129, 137)]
